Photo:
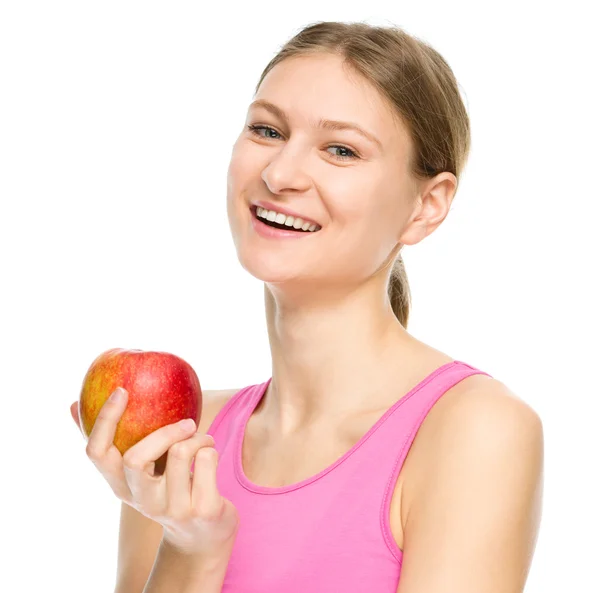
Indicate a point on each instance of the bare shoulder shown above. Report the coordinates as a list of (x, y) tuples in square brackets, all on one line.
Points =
[(484, 415), (479, 411), (212, 402), (481, 403), (484, 409), (472, 513)]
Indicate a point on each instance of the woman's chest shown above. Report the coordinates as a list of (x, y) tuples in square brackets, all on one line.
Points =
[(277, 463)]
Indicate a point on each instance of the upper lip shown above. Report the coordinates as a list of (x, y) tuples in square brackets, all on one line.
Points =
[(283, 210)]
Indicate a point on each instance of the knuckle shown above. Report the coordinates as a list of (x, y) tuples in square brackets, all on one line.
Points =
[(180, 450), (207, 454), (132, 461), (208, 512), (104, 417), (92, 451)]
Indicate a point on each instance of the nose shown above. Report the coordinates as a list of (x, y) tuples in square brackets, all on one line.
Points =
[(287, 172)]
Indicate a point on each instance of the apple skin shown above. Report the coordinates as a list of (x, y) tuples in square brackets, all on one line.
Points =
[(162, 389)]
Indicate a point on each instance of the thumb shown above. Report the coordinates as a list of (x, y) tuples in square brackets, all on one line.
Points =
[(75, 413), (75, 416)]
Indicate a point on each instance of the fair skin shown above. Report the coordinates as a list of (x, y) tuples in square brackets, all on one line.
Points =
[(327, 308), (467, 504), (326, 290)]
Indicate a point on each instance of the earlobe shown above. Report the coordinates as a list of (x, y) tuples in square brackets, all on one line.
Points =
[(415, 233)]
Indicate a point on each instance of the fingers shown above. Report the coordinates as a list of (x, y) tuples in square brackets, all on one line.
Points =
[(139, 459), (75, 416), (103, 433), (206, 499), (75, 413), (101, 449), (177, 474)]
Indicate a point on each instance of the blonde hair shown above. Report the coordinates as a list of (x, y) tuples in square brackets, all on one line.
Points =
[(421, 88)]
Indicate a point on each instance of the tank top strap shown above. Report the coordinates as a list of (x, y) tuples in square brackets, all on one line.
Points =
[(391, 442)]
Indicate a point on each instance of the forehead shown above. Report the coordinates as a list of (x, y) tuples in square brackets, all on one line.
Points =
[(308, 88)]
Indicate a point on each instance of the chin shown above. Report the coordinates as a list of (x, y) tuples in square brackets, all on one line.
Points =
[(266, 269)]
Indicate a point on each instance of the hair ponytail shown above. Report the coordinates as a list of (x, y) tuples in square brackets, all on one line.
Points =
[(399, 291)]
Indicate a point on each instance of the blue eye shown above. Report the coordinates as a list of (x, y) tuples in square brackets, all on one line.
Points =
[(270, 131)]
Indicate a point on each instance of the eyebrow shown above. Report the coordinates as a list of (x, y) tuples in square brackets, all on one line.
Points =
[(326, 124)]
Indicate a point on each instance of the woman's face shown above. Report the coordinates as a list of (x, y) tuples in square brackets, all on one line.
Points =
[(358, 189)]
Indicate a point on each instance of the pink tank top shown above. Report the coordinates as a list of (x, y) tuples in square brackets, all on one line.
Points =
[(330, 532)]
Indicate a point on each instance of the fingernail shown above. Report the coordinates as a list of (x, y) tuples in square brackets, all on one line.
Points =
[(118, 394), (187, 424)]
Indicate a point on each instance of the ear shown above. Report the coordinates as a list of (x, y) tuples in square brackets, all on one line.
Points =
[(431, 208)]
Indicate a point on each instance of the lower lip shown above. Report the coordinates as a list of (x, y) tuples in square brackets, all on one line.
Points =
[(264, 230)]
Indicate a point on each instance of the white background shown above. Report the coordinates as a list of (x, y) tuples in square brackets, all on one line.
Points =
[(117, 121)]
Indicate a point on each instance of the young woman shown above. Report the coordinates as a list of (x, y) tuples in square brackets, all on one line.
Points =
[(369, 461)]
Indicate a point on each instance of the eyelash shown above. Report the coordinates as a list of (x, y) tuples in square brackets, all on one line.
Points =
[(254, 129)]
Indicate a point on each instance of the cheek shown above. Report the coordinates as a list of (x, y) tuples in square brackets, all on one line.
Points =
[(244, 161), (356, 250), (368, 219), (239, 176), (235, 172)]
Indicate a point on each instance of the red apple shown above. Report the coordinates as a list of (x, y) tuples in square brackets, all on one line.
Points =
[(162, 388)]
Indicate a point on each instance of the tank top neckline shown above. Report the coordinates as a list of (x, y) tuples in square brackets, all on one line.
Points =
[(253, 404)]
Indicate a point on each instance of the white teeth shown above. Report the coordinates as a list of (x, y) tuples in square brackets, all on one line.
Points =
[(280, 218)]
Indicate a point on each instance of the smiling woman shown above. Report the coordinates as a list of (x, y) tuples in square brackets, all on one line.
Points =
[(369, 460)]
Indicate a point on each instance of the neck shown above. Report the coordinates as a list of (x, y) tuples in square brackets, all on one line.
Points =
[(330, 359)]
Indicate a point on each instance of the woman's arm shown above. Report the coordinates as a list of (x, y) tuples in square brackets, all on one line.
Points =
[(146, 564), (139, 539), (474, 516), (175, 572)]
